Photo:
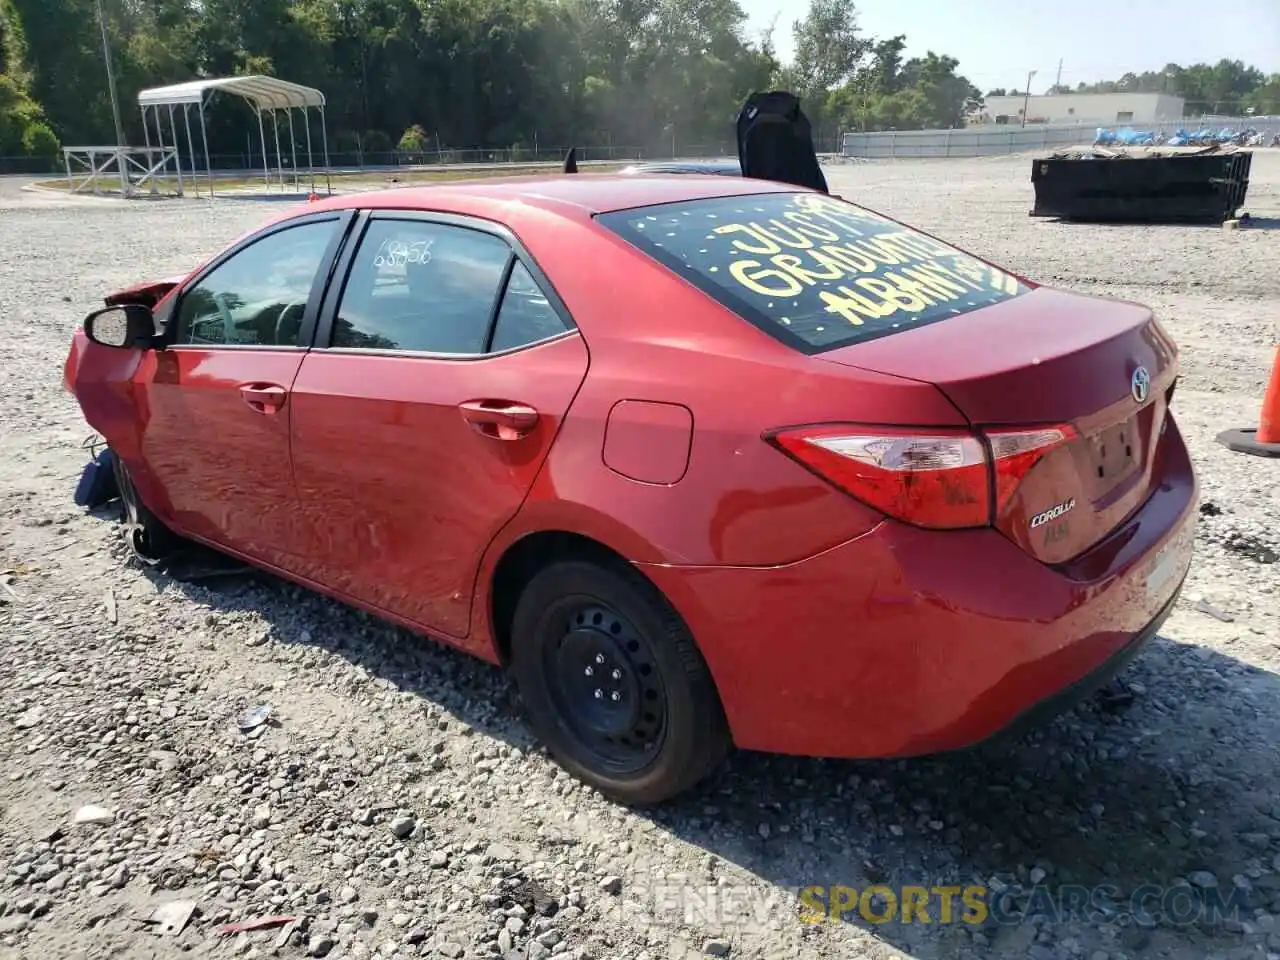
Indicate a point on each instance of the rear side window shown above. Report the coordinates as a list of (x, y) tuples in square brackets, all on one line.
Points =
[(526, 315), (815, 272)]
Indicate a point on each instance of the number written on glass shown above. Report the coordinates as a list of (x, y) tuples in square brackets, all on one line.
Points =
[(397, 253)]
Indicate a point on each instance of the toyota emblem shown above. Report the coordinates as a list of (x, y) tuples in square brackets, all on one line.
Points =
[(1140, 384)]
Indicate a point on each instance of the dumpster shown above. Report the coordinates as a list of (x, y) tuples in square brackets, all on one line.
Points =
[(1182, 188)]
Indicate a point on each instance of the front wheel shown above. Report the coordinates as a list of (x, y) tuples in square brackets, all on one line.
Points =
[(614, 684), (148, 538)]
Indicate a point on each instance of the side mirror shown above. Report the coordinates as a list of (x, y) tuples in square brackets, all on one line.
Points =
[(126, 325)]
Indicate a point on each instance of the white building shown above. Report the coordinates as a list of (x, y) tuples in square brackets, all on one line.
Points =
[(1090, 109)]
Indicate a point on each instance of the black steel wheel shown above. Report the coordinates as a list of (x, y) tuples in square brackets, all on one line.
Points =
[(606, 684), (613, 682)]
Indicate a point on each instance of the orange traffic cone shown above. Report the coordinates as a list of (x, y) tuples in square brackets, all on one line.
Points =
[(1265, 441), (1269, 421)]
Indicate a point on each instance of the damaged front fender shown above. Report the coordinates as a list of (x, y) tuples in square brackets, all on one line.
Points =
[(149, 294)]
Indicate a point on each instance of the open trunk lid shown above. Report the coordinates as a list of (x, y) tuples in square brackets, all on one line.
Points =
[(1101, 371), (775, 141)]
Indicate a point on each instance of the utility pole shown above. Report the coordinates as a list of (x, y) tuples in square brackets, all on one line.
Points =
[(1058, 83), (1026, 99), (111, 76)]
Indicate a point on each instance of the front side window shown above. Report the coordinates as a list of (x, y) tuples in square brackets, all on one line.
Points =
[(811, 270), (421, 286), (258, 296)]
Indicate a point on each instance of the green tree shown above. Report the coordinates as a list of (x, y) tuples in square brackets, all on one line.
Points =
[(12, 41), (413, 140), (652, 75), (945, 93), (64, 55), (1264, 100), (1229, 86), (888, 94), (829, 46), (23, 131), (39, 141)]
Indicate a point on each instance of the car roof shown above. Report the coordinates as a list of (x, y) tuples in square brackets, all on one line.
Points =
[(579, 195), (727, 166)]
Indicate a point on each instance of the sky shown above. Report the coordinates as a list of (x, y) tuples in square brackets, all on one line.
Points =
[(998, 41)]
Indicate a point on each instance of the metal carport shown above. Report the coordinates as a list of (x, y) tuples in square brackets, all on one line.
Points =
[(264, 94)]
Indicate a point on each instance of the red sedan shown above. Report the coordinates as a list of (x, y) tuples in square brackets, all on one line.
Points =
[(706, 461)]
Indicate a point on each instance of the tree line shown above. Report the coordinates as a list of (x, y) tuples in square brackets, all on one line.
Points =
[(640, 74), (520, 75), (1227, 87)]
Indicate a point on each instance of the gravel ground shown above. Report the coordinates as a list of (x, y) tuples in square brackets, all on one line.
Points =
[(395, 805)]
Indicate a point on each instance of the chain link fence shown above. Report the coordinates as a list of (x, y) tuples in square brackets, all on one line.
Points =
[(250, 162), (995, 140)]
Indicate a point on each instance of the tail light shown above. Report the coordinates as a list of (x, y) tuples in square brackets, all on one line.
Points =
[(940, 479), (1015, 452)]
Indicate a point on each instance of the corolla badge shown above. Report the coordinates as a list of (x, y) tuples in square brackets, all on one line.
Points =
[(1140, 384), (1053, 513)]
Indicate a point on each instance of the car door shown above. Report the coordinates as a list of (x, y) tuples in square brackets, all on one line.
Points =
[(442, 371), (216, 437)]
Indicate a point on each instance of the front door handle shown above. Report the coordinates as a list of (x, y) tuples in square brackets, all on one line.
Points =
[(499, 419), (264, 397)]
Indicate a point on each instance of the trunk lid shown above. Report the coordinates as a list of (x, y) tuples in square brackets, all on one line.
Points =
[(1051, 358)]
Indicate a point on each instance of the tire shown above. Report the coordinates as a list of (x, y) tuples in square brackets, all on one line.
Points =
[(640, 735), (148, 537)]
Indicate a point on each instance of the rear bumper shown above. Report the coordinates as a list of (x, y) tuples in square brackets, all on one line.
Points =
[(905, 641), (1066, 698)]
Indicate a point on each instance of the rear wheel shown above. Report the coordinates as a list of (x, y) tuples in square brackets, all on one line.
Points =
[(613, 683)]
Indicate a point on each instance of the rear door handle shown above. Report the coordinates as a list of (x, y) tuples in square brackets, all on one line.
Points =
[(499, 419), (264, 397)]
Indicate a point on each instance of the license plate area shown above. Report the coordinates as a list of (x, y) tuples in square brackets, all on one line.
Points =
[(1115, 455)]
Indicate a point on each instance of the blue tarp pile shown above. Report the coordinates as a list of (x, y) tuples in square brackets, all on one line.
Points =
[(1182, 138), (1124, 137)]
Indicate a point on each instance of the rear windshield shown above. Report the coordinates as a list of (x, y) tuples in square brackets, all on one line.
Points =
[(813, 271)]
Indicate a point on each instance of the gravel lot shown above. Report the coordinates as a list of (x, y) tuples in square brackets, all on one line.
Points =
[(397, 808)]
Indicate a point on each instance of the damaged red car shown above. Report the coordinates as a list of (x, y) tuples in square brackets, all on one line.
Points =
[(705, 461)]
